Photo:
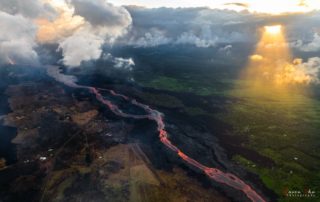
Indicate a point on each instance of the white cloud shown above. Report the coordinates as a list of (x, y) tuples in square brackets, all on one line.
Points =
[(311, 68), (190, 38), (298, 71), (312, 46), (84, 26), (270, 6), (226, 49), (150, 39), (201, 27)]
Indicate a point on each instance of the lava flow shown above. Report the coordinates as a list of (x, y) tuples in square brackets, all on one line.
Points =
[(213, 173)]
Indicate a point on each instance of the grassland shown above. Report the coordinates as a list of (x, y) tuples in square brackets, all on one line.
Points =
[(186, 83), (283, 127), (284, 130)]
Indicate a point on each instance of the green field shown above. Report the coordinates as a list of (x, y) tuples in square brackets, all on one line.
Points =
[(284, 127)]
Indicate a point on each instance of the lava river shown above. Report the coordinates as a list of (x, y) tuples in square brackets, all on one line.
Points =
[(213, 173)]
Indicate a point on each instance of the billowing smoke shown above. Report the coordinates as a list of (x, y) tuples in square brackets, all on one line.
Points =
[(27, 8), (56, 73), (18, 30), (63, 26), (103, 23), (81, 46), (119, 62), (80, 27), (17, 39)]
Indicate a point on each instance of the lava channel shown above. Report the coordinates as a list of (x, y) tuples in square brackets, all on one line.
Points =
[(213, 173)]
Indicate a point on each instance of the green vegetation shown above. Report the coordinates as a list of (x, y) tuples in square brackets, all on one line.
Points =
[(162, 100), (186, 84), (280, 180), (195, 111), (283, 127)]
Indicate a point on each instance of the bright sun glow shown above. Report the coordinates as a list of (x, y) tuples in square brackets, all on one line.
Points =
[(272, 73), (271, 67), (275, 29), (260, 6)]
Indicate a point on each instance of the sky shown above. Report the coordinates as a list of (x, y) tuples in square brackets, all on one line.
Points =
[(70, 25), (266, 6)]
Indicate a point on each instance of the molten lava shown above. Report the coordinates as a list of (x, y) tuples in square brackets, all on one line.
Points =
[(213, 173)]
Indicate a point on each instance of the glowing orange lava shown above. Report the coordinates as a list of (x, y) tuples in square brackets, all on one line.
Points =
[(213, 173)]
